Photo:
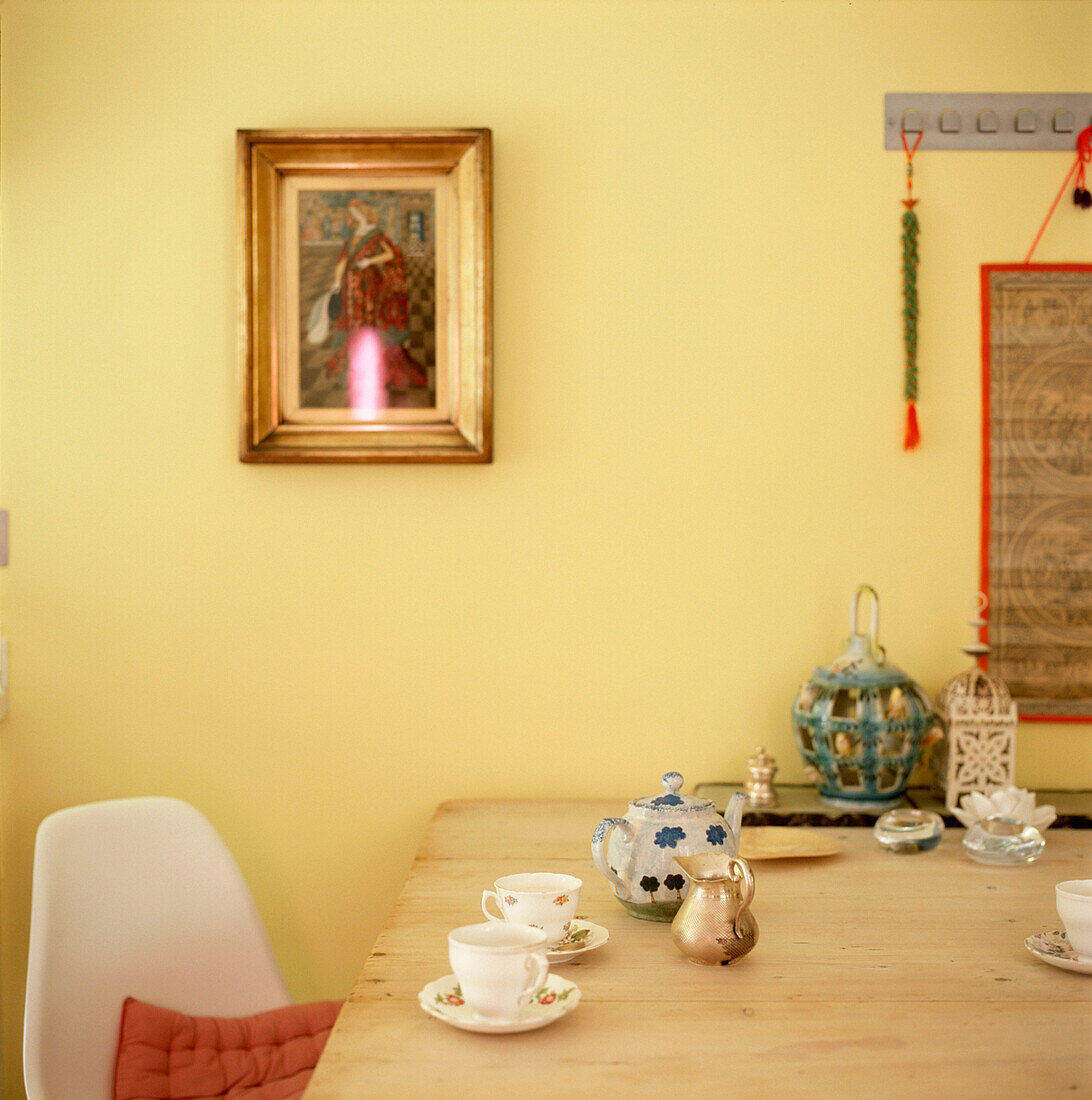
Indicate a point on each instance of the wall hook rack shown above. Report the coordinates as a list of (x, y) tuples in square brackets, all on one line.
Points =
[(973, 120)]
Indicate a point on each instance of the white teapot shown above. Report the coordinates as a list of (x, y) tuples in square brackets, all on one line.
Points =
[(637, 852)]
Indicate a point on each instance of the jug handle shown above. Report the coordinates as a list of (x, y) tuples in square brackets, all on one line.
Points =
[(740, 871), (733, 816), (599, 851)]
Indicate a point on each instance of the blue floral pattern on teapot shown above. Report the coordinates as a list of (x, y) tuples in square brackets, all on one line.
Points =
[(669, 837)]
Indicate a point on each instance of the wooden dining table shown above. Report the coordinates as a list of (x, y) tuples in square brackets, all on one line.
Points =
[(875, 975)]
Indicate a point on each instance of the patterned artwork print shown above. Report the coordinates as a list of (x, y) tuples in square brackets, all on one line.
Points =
[(1038, 553), (367, 267)]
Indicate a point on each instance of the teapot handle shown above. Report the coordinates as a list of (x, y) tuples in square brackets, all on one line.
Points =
[(740, 871), (599, 851)]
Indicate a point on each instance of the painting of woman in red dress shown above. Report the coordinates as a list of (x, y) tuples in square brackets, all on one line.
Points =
[(368, 309)]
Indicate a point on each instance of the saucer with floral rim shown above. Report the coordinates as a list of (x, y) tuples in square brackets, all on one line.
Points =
[(582, 936), (1055, 948), (443, 999)]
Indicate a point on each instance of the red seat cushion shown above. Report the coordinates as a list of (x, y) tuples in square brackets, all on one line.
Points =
[(164, 1055)]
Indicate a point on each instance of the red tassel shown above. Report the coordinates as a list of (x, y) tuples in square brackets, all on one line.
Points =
[(913, 435)]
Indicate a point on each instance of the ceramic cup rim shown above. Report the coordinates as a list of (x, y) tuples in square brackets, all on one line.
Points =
[(497, 938), (1077, 889), (538, 882)]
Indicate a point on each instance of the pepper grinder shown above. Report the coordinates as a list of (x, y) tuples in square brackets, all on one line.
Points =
[(759, 788)]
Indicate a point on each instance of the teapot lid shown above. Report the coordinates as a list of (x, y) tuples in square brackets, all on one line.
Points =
[(671, 800)]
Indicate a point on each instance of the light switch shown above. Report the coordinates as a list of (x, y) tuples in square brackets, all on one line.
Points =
[(1025, 122), (988, 122), (950, 122), (912, 122)]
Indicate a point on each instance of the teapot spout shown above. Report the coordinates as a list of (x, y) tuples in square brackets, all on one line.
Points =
[(733, 815)]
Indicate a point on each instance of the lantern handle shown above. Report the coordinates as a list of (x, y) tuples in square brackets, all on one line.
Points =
[(879, 652)]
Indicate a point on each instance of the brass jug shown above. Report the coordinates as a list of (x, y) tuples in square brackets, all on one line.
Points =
[(714, 923)]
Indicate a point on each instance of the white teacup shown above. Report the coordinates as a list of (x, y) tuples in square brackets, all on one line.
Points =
[(544, 900), (1074, 901), (499, 967)]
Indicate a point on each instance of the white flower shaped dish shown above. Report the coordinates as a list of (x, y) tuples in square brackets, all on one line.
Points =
[(1014, 802)]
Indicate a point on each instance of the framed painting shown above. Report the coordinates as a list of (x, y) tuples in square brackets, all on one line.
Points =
[(1037, 484), (365, 295)]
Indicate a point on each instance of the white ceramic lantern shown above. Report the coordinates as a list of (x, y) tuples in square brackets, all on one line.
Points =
[(978, 716)]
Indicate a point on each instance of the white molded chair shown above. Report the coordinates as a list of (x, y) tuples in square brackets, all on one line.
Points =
[(134, 897)]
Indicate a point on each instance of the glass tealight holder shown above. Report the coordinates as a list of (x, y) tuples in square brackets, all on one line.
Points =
[(1003, 841), (906, 831)]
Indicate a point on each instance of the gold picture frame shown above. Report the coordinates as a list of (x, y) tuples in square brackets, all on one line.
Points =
[(365, 295)]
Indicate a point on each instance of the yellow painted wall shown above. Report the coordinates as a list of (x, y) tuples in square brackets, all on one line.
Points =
[(698, 410)]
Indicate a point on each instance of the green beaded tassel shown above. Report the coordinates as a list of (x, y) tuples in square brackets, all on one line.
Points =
[(910, 298), (910, 324)]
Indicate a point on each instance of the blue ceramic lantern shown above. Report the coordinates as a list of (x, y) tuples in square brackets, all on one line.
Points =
[(860, 723)]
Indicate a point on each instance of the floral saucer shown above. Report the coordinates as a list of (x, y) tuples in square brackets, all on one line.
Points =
[(1054, 948), (582, 936), (443, 999)]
